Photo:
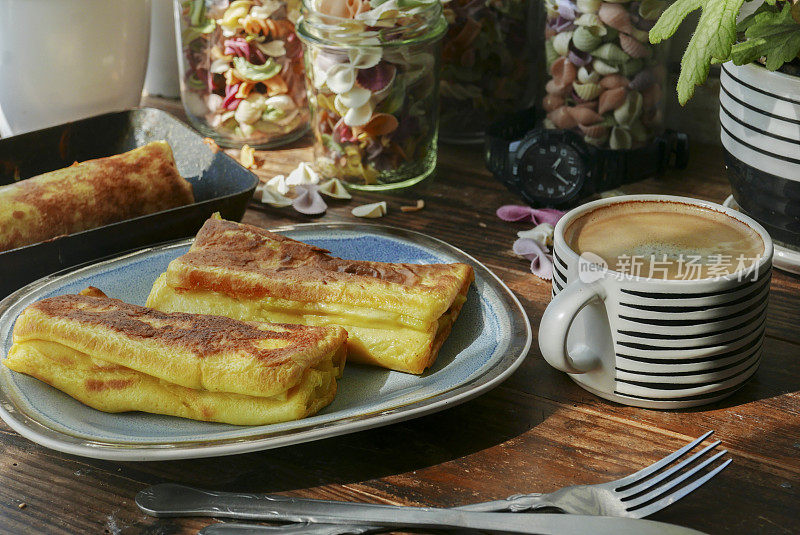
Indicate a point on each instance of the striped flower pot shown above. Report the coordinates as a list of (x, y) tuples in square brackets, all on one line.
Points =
[(760, 130)]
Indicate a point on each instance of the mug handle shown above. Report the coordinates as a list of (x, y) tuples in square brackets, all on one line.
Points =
[(556, 323)]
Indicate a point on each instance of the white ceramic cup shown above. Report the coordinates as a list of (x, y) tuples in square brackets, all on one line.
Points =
[(654, 342), (63, 60)]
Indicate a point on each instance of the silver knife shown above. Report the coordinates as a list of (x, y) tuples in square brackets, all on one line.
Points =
[(194, 502), (522, 523)]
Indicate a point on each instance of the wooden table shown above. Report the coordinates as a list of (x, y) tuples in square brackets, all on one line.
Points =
[(538, 431)]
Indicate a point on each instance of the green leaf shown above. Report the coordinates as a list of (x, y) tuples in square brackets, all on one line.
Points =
[(712, 40), (671, 18), (773, 35), (256, 73)]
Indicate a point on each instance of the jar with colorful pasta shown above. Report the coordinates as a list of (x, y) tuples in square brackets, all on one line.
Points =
[(605, 80), (488, 64), (372, 73), (242, 71)]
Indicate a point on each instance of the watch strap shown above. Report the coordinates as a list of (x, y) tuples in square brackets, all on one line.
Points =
[(618, 167), (499, 136)]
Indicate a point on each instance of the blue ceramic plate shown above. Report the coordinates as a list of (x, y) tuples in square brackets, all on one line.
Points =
[(489, 340)]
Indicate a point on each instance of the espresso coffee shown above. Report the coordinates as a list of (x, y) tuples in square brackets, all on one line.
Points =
[(665, 240)]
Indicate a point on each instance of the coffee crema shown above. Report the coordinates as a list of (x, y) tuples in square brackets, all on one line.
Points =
[(665, 240)]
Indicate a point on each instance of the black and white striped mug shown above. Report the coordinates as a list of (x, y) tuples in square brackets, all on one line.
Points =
[(654, 341)]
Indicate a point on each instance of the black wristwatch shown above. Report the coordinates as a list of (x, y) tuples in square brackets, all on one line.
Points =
[(556, 168)]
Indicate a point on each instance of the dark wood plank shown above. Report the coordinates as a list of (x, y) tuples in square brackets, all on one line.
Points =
[(536, 432)]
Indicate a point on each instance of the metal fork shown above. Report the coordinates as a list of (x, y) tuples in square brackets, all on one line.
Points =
[(638, 495)]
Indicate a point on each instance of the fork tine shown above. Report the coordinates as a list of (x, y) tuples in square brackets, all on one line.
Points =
[(666, 474), (655, 493), (644, 472), (669, 499)]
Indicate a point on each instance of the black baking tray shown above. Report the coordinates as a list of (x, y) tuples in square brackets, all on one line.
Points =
[(219, 183)]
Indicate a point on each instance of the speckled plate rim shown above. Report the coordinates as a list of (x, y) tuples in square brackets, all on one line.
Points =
[(519, 346)]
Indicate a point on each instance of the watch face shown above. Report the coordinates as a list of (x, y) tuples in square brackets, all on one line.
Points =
[(551, 171)]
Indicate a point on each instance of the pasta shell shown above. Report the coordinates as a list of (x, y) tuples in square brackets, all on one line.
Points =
[(615, 16), (603, 68), (634, 48), (588, 6), (642, 80), (638, 132), (611, 35), (380, 124), (651, 97), (620, 139), (611, 99), (563, 72), (587, 91), (579, 59), (547, 123), (561, 118), (642, 36), (586, 76), (550, 53), (651, 9), (551, 102), (590, 104), (611, 52), (630, 110), (613, 80), (630, 67), (584, 116), (596, 141), (377, 209), (596, 131), (554, 89), (334, 188), (593, 22), (561, 43), (585, 40)]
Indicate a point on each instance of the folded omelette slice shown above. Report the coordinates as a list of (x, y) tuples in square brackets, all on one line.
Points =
[(118, 357), (397, 315)]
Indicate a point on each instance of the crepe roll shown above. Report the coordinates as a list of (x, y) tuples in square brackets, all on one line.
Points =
[(91, 194), (116, 357), (397, 315)]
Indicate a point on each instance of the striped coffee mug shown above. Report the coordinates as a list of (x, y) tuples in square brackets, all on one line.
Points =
[(655, 342)]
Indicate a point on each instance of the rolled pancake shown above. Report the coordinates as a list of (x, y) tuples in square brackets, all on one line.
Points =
[(397, 315), (116, 357), (91, 194)]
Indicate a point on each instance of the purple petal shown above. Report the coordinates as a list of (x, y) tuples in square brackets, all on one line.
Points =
[(528, 247), (537, 216), (542, 267), (579, 59), (514, 212), (546, 215), (308, 200), (541, 261)]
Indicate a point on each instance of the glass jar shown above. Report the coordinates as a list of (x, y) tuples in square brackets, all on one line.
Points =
[(242, 71), (372, 73), (488, 64), (605, 80)]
